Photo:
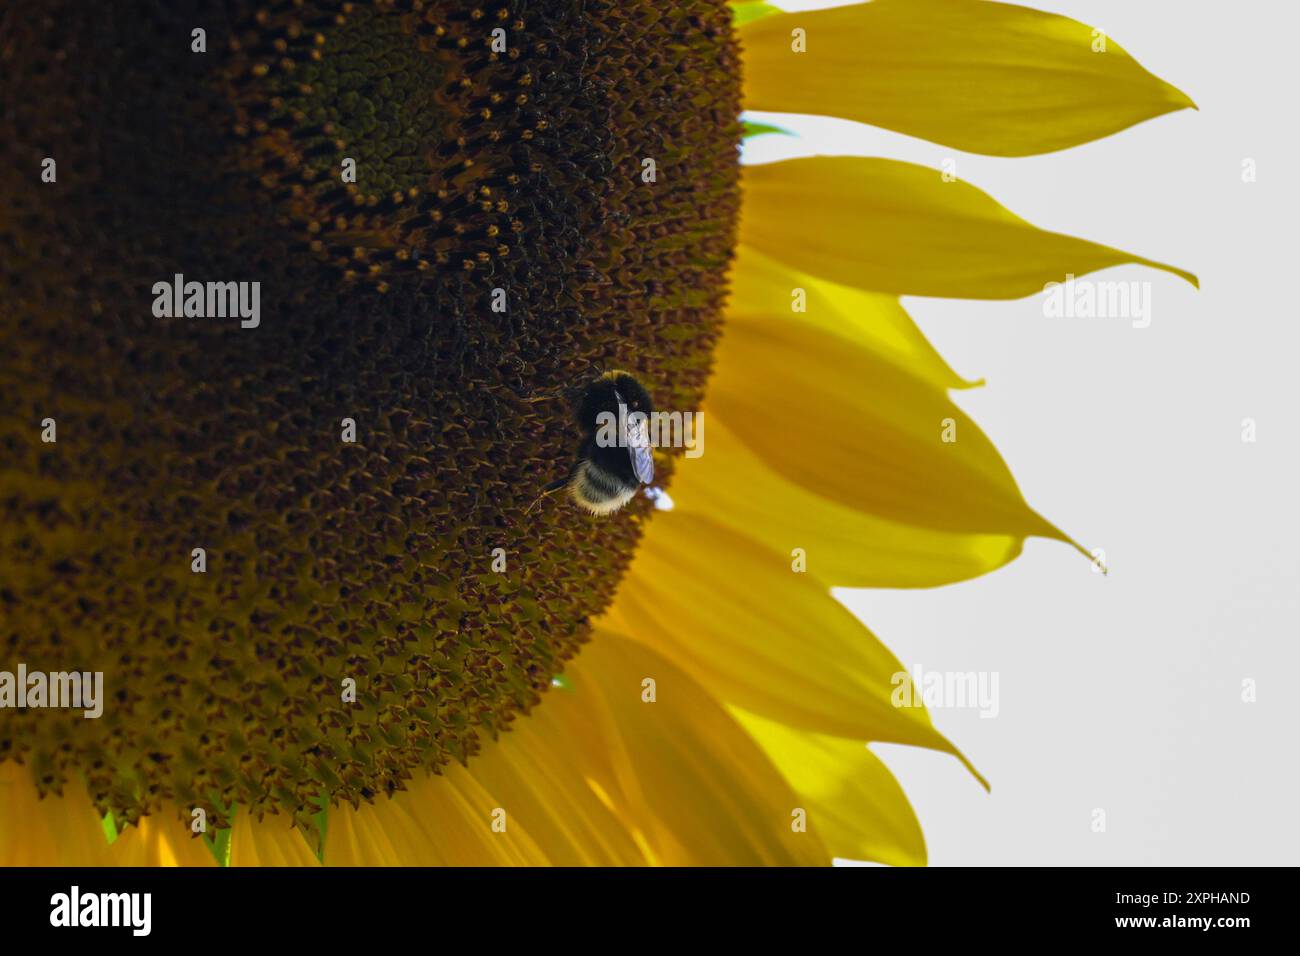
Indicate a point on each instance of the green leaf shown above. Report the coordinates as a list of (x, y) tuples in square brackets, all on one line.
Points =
[(758, 129), (745, 12)]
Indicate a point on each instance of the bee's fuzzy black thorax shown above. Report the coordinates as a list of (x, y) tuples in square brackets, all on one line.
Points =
[(603, 395)]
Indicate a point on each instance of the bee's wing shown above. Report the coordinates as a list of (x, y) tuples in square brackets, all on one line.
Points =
[(638, 449)]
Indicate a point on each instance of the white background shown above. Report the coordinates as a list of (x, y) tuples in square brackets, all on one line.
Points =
[(1124, 692)]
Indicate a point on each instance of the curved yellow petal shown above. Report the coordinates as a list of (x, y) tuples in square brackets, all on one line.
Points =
[(740, 620), (853, 801), (896, 227), (271, 841), (440, 820), (989, 78), (552, 771), (863, 433), (847, 546), (676, 782), (697, 789), (66, 830), (54, 830), (160, 840), (762, 286), (843, 545)]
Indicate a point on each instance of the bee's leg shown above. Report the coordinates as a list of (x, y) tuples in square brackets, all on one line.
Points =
[(555, 393), (550, 489)]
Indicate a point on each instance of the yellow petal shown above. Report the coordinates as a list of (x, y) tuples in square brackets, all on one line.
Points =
[(859, 431), (895, 227), (853, 801), (271, 841), (762, 286), (983, 77), (677, 782), (160, 840), (52, 830), (66, 830), (444, 820), (697, 788), (740, 620), (552, 772), (844, 545), (851, 548)]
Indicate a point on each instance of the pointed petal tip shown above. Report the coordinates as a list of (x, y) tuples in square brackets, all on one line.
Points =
[(988, 788), (965, 762), (1189, 277), (1180, 99), (1052, 532)]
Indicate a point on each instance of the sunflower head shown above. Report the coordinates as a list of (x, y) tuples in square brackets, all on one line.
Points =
[(449, 210), (301, 551)]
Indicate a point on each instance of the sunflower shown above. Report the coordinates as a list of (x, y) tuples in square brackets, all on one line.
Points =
[(301, 554)]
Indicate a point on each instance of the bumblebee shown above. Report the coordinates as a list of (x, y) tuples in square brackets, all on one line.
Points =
[(614, 459)]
